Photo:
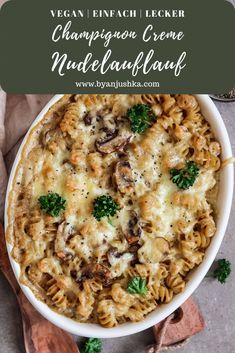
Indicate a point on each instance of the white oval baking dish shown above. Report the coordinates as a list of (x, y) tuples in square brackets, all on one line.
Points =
[(224, 205)]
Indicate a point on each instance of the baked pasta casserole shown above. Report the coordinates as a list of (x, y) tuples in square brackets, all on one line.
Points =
[(113, 204)]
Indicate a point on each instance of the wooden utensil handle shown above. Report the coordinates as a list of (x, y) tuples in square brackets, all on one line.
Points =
[(5, 265), (40, 336)]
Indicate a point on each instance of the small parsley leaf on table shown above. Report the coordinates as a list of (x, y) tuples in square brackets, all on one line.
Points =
[(223, 270), (92, 345)]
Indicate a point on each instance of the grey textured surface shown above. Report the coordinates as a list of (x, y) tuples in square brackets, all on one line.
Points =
[(216, 301)]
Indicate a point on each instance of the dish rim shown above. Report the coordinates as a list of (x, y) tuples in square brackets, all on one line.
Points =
[(95, 330)]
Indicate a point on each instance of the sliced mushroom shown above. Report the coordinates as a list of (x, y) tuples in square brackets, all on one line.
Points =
[(49, 136), (92, 117), (65, 230), (113, 253), (113, 142), (102, 116), (119, 261), (88, 119), (96, 271), (104, 143), (132, 230), (122, 177), (115, 133), (154, 250), (109, 124), (133, 248), (54, 137)]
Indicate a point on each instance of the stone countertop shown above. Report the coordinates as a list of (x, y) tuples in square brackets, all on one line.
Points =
[(216, 301)]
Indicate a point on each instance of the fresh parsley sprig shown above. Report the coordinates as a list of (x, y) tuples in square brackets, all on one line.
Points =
[(137, 285), (141, 117), (105, 206), (185, 177), (92, 345), (222, 271), (52, 204)]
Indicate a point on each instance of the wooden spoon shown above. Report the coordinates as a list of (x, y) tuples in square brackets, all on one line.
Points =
[(40, 336)]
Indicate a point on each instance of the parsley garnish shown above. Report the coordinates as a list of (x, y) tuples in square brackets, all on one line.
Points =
[(52, 203), (92, 345), (105, 206), (137, 285), (223, 270), (185, 177), (141, 117)]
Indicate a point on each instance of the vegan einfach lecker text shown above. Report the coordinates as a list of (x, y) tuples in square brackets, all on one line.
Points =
[(95, 13), (113, 204)]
